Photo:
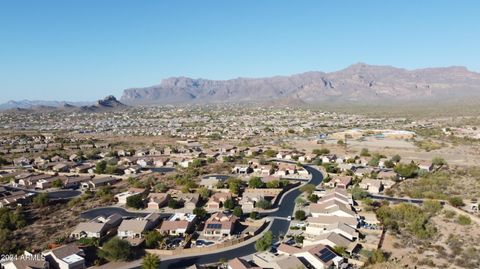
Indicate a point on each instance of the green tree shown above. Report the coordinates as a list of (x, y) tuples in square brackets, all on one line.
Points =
[(256, 183), (57, 183), (237, 211), (377, 256), (200, 212), (456, 201), (174, 204), (389, 164), (265, 242), (396, 158), (161, 187), (300, 215), (413, 220), (234, 185), (253, 215), (364, 152), (135, 201), (153, 239), (300, 201), (40, 200), (374, 161), (322, 151), (6, 237), (100, 167), (270, 153), (299, 239), (116, 249), (308, 188), (439, 161), (464, 220), (432, 206), (204, 192), (229, 204), (406, 170), (150, 261), (274, 184), (111, 169), (263, 204), (197, 163), (313, 198), (359, 193)]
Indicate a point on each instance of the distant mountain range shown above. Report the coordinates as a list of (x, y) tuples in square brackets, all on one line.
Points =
[(108, 103), (26, 104), (358, 83)]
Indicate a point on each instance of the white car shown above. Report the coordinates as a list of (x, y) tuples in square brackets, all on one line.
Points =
[(289, 218)]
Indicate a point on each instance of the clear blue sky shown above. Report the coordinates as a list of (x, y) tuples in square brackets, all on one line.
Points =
[(84, 50)]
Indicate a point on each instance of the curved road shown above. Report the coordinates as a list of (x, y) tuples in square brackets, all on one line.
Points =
[(279, 227)]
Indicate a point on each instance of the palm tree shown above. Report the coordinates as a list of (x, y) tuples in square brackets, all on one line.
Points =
[(150, 261)]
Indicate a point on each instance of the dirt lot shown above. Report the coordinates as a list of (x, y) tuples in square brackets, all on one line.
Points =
[(455, 155), (449, 249)]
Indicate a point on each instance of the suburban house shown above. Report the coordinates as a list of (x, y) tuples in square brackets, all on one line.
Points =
[(90, 229), (123, 196), (249, 200), (96, 228), (157, 200), (331, 239), (14, 198), (277, 261), (73, 182), (132, 170), (331, 158), (65, 257), (210, 182), (179, 224), (340, 228), (238, 263), (339, 195), (390, 175), (371, 185), (97, 182), (135, 228), (190, 200), (316, 225), (220, 225), (306, 158), (339, 182), (332, 208), (217, 200), (246, 169), (318, 256)]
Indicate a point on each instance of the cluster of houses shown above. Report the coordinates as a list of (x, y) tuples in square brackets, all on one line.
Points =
[(14, 197), (333, 221), (220, 225), (190, 122), (316, 256), (279, 169), (42, 181)]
